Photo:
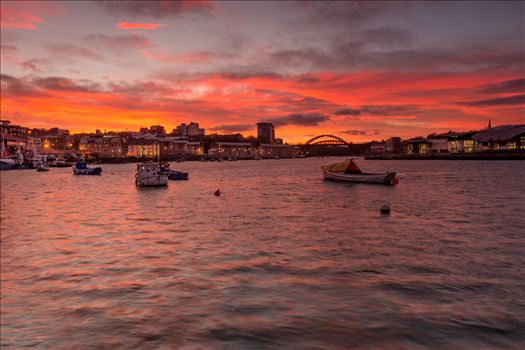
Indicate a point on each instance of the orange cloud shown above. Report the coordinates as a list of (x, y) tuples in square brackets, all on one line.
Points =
[(359, 107), (15, 18), (134, 25)]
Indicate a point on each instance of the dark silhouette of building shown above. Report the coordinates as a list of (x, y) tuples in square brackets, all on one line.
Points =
[(265, 133)]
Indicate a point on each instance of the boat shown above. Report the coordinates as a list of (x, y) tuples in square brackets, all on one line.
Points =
[(6, 162), (42, 167), (80, 168), (349, 171), (149, 174), (172, 174), (33, 158)]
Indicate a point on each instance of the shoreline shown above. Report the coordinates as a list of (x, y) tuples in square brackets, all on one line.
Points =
[(450, 156)]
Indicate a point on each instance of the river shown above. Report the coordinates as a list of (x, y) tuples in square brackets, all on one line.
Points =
[(281, 260)]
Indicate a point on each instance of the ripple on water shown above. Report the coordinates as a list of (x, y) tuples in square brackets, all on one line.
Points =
[(283, 260)]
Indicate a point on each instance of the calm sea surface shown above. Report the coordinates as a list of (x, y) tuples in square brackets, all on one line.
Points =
[(281, 260)]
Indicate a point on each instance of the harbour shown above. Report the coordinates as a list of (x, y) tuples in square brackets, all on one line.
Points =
[(280, 259)]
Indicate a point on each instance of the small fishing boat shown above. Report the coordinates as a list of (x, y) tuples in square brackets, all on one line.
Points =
[(6, 162), (349, 171), (80, 168), (42, 167), (149, 174), (172, 174)]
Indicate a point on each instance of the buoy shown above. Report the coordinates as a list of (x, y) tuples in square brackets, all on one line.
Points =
[(396, 181), (385, 210), (217, 193)]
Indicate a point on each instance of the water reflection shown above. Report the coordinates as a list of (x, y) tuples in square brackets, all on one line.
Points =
[(281, 259)]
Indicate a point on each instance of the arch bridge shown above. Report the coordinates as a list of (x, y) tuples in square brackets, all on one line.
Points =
[(326, 140)]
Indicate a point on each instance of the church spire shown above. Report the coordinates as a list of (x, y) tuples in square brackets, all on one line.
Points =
[(490, 125)]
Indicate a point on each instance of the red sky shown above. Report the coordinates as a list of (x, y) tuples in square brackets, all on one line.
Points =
[(359, 70)]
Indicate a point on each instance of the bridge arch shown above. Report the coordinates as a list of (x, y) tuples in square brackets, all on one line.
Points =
[(326, 140)]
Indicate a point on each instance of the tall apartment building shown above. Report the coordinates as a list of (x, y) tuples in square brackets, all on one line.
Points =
[(265, 133)]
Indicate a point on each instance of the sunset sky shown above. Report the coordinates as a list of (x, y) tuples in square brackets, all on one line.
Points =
[(360, 70)]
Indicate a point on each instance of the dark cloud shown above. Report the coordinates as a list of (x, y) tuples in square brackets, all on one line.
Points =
[(348, 111), (16, 87), (118, 42), (356, 132), (232, 127), (155, 9), (368, 132), (249, 75), (501, 101), (381, 110), (386, 37), (311, 119), (307, 79), (65, 84), (515, 85)]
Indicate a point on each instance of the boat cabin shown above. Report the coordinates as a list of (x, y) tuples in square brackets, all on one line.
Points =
[(147, 167)]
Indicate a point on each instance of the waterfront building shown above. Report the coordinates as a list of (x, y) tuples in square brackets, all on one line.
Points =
[(170, 147), (267, 150), (378, 147), (143, 148), (394, 145), (53, 139), (438, 145), (458, 142), (105, 146), (231, 149), (34, 143), (265, 133), (507, 137), (417, 146)]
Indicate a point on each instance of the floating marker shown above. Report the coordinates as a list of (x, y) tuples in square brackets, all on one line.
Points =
[(385, 210), (217, 193)]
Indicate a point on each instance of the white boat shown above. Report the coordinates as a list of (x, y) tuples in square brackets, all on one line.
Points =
[(6, 162), (42, 167), (149, 174), (349, 171)]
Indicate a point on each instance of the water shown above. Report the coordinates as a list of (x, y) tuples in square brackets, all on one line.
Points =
[(280, 260)]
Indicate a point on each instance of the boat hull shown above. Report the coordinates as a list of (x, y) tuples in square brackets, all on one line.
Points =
[(152, 181), (373, 178), (176, 175), (7, 164), (87, 171)]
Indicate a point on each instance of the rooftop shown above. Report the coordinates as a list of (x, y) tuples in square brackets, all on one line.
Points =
[(500, 133)]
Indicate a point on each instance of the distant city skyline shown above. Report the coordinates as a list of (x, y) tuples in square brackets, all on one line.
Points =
[(360, 70)]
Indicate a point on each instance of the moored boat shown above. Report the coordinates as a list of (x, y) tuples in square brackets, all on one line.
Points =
[(172, 174), (42, 167), (6, 162), (80, 168), (149, 174), (349, 171)]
